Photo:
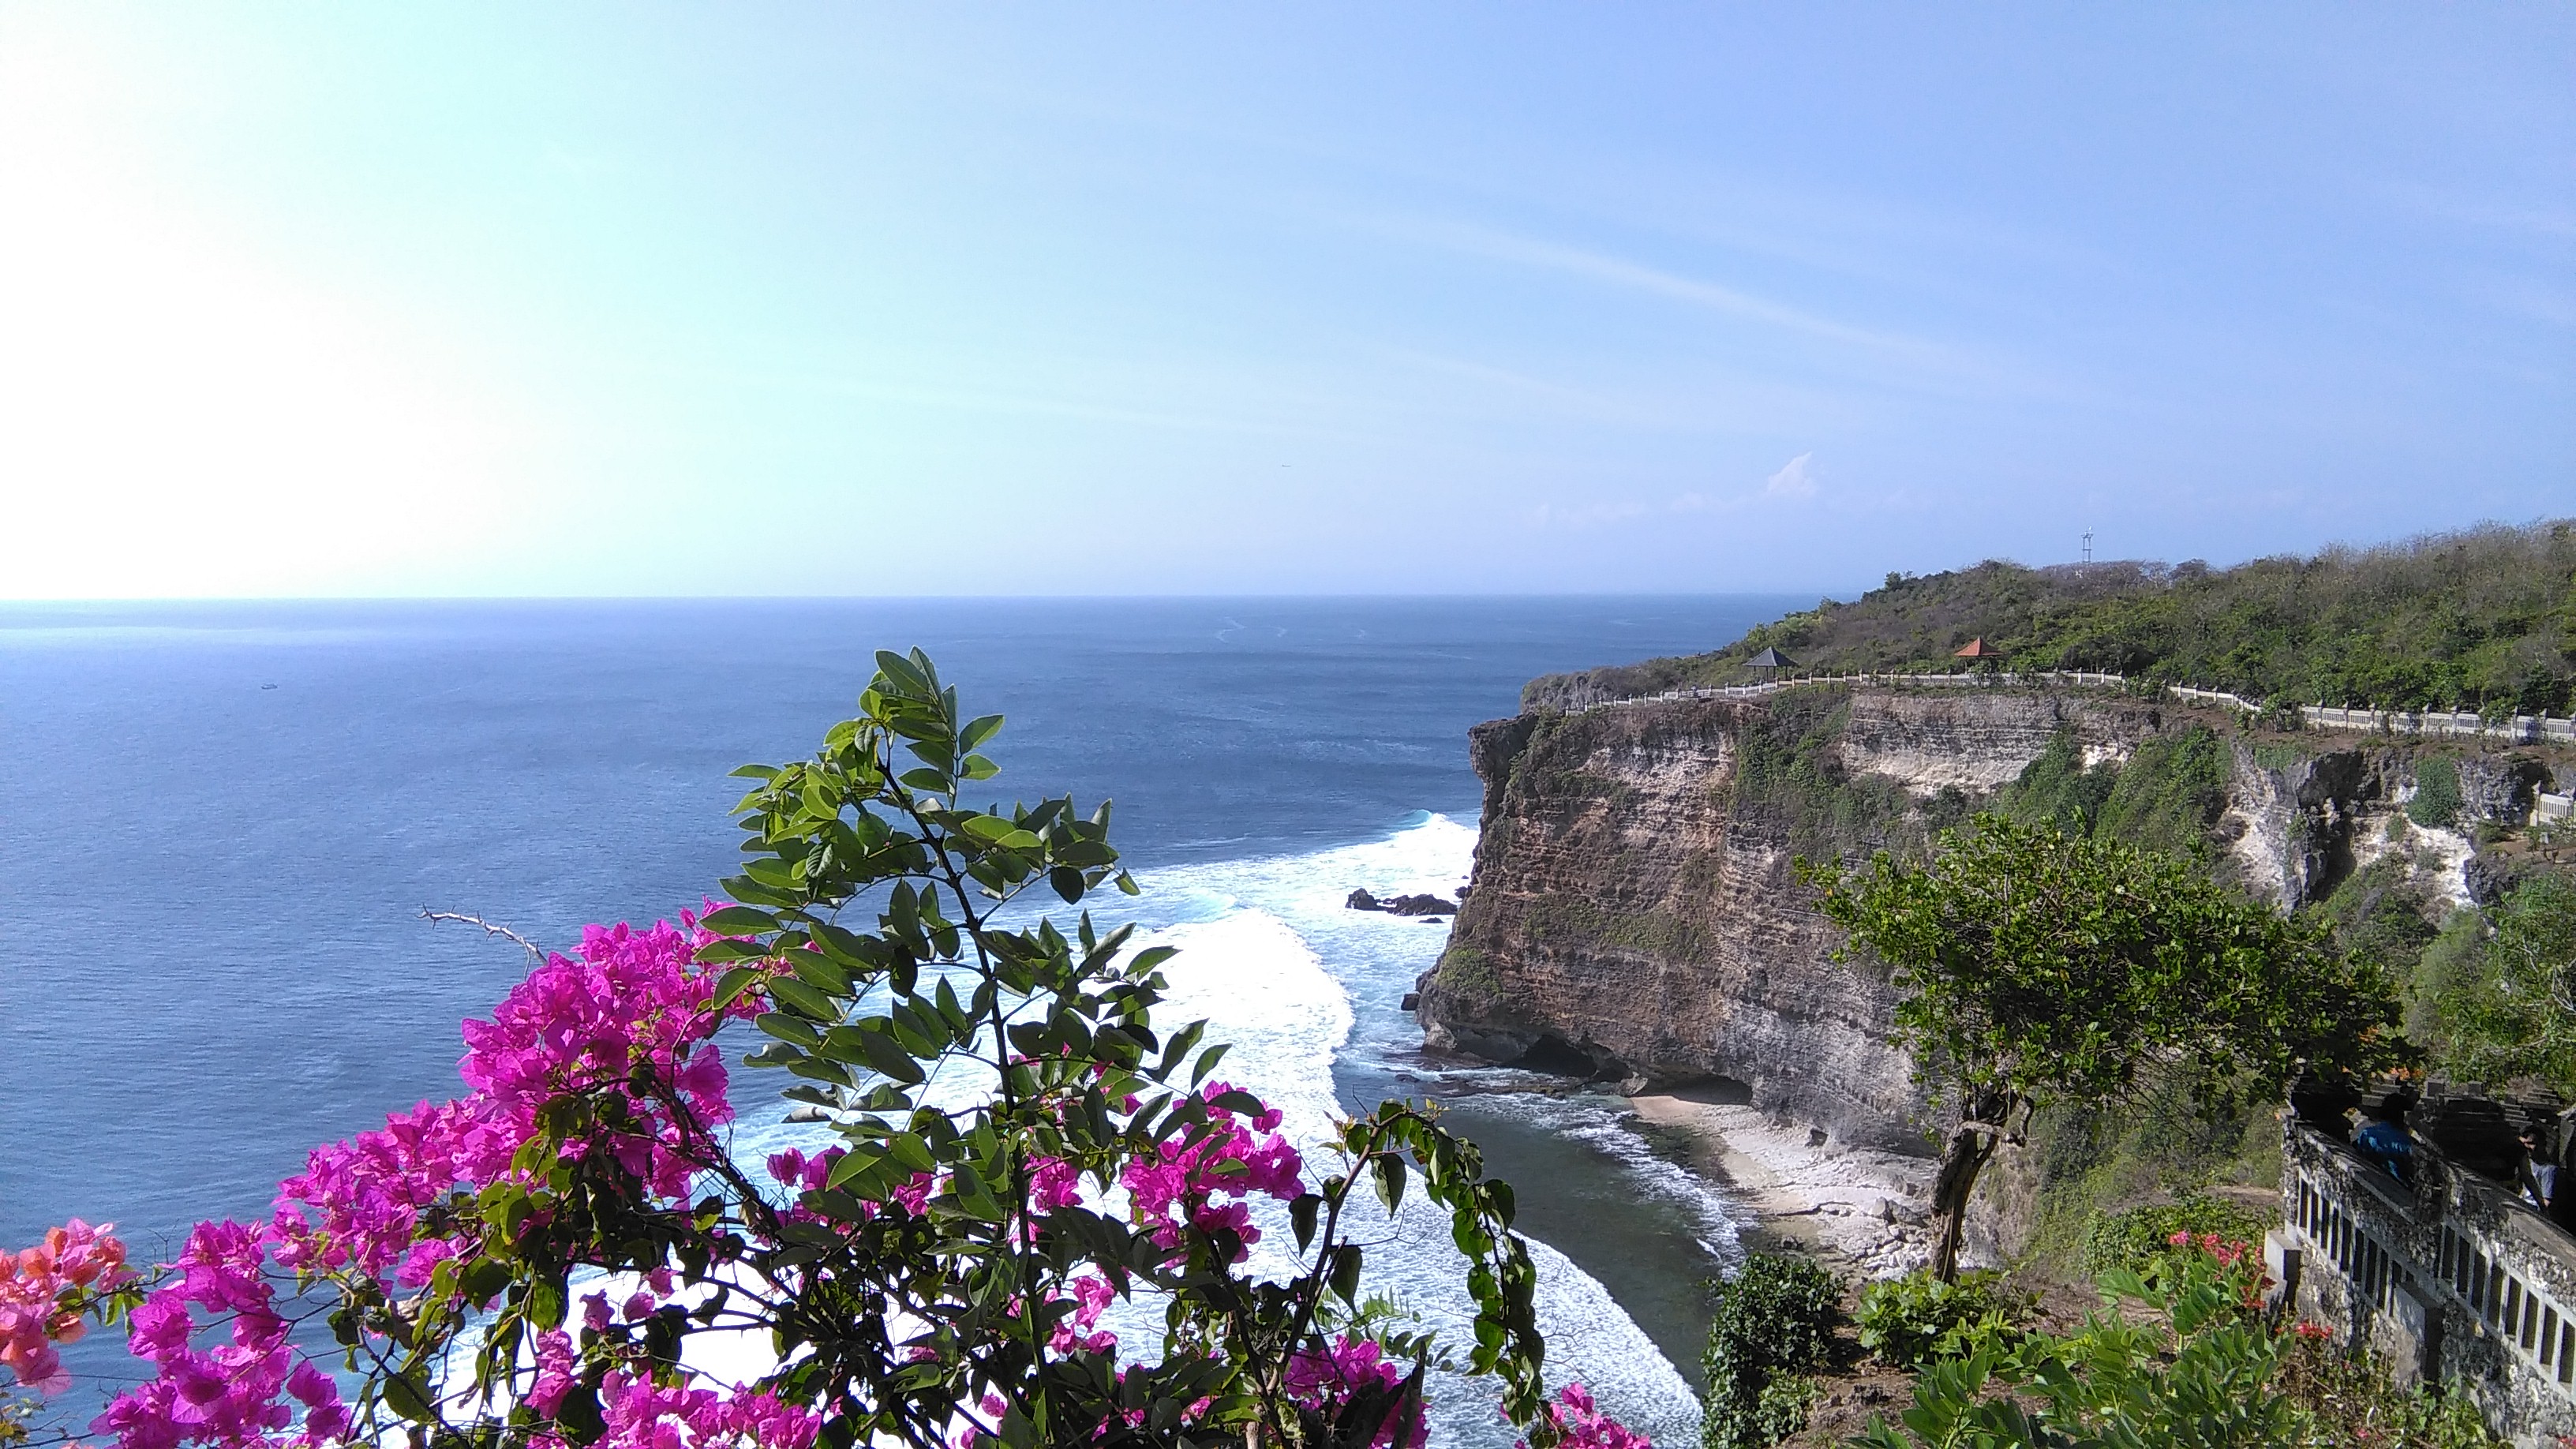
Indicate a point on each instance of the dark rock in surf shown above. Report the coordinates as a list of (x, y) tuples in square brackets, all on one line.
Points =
[(1418, 905)]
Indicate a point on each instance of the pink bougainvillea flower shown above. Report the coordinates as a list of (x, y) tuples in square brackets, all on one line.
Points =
[(1583, 1426)]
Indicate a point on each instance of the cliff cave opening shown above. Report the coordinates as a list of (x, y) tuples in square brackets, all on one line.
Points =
[(1553, 1053)]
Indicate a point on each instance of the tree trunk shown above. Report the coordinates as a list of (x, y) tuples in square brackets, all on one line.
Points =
[(1972, 1145), (1960, 1163)]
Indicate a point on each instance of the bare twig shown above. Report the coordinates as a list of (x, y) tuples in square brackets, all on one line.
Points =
[(534, 952)]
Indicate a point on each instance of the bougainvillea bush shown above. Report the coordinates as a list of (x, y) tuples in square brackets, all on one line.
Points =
[(2183, 1353), (569, 1254)]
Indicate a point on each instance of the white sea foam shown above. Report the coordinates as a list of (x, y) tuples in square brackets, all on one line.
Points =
[(1277, 974)]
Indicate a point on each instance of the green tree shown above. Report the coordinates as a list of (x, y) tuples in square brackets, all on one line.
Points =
[(2515, 1014), (2035, 967)]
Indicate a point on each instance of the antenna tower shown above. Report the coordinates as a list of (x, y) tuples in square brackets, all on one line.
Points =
[(2088, 548)]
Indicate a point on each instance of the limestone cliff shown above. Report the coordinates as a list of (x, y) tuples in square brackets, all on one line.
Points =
[(1633, 913)]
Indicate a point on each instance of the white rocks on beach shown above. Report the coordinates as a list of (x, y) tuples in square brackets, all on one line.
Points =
[(1859, 1204)]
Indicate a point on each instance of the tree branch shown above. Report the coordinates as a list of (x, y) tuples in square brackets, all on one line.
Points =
[(535, 953)]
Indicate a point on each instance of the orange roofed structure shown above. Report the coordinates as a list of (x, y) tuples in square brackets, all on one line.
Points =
[(1977, 649)]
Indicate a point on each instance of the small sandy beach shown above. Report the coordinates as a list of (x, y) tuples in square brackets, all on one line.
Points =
[(1862, 1206)]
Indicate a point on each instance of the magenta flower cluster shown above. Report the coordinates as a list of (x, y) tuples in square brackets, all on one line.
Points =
[(630, 1007), (1584, 1426), (1329, 1380), (1183, 1185), (231, 1392), (43, 1292), (641, 1414)]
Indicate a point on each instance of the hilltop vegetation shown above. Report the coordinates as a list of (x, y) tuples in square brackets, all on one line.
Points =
[(2483, 619)]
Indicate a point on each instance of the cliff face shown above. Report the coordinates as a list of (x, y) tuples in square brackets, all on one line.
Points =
[(1633, 913)]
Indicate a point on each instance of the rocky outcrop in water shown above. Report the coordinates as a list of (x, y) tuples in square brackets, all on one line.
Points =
[(1413, 905)]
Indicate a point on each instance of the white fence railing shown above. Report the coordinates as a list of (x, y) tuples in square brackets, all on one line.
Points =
[(2525, 729), (1774, 686)]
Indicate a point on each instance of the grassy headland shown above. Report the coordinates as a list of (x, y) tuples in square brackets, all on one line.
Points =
[(2480, 619)]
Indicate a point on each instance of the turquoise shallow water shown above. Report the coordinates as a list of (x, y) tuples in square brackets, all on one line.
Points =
[(219, 823)]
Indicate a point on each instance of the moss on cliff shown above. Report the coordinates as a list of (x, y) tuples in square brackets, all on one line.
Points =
[(1789, 777), (1574, 919), (1469, 972), (2165, 796)]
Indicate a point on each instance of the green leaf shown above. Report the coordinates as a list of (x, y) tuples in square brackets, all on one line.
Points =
[(890, 1059), (739, 921), (1346, 1274), (802, 999), (406, 1394), (852, 1165), (789, 1029), (1301, 1216), (842, 944), (1179, 1050), (731, 985), (1207, 1062), (900, 672), (483, 1279), (821, 972), (1390, 1181), (977, 731)]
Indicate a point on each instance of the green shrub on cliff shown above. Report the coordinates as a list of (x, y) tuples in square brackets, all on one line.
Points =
[(2513, 1013), (1789, 776), (2137, 1237), (2169, 793), (2437, 793), (2481, 619), (2058, 789), (2183, 1356), (1772, 1327), (1910, 1321)]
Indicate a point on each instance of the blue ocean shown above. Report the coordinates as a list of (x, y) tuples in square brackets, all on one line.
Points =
[(220, 826)]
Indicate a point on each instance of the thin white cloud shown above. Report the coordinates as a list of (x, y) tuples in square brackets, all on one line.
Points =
[(1585, 515), (2545, 222), (1796, 480), (1938, 366), (1619, 271)]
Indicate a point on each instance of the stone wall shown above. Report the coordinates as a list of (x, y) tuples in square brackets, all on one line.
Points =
[(2449, 1276)]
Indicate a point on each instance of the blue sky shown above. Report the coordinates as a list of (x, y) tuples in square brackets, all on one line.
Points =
[(485, 299)]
